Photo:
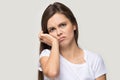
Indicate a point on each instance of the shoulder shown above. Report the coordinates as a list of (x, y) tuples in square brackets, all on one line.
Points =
[(92, 56), (45, 52), (93, 59)]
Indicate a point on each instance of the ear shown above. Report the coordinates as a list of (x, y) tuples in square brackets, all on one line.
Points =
[(74, 27)]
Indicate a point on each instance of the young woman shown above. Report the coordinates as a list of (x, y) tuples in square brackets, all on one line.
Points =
[(60, 56)]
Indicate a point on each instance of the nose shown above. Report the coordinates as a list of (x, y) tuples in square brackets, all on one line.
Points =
[(59, 32)]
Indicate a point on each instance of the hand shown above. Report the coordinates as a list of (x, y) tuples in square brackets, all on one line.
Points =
[(47, 39)]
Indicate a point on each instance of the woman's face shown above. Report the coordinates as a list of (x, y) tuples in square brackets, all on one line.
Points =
[(60, 27)]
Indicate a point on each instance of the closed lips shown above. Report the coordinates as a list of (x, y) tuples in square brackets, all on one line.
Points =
[(61, 39)]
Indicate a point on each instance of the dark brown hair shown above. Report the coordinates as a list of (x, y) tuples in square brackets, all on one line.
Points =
[(48, 13)]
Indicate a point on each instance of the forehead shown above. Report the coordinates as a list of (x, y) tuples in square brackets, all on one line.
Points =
[(57, 19)]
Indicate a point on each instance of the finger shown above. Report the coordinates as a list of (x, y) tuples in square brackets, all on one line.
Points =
[(41, 40), (40, 33)]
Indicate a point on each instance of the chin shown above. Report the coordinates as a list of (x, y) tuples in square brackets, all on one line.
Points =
[(63, 44)]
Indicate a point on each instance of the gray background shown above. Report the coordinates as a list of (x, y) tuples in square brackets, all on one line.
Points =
[(99, 26)]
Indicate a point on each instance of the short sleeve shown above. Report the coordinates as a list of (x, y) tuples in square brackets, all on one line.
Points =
[(45, 52), (99, 67)]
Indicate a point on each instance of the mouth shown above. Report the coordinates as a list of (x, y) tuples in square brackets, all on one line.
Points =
[(61, 39)]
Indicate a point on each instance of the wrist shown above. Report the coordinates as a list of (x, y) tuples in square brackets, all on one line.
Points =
[(55, 42)]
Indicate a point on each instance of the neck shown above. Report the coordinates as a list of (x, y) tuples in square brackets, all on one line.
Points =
[(70, 51)]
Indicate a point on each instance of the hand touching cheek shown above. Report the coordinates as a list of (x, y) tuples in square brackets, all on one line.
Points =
[(47, 39)]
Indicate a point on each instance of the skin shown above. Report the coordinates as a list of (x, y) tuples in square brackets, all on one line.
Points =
[(103, 77), (61, 39)]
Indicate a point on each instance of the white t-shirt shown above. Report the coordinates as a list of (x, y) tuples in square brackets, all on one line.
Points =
[(93, 68)]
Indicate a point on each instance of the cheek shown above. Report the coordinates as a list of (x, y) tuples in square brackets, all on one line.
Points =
[(70, 34), (70, 31)]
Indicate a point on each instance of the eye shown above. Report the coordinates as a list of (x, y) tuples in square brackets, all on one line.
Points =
[(51, 29), (63, 25)]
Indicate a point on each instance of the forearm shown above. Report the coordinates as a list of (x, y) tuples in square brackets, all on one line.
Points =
[(103, 77), (52, 64)]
